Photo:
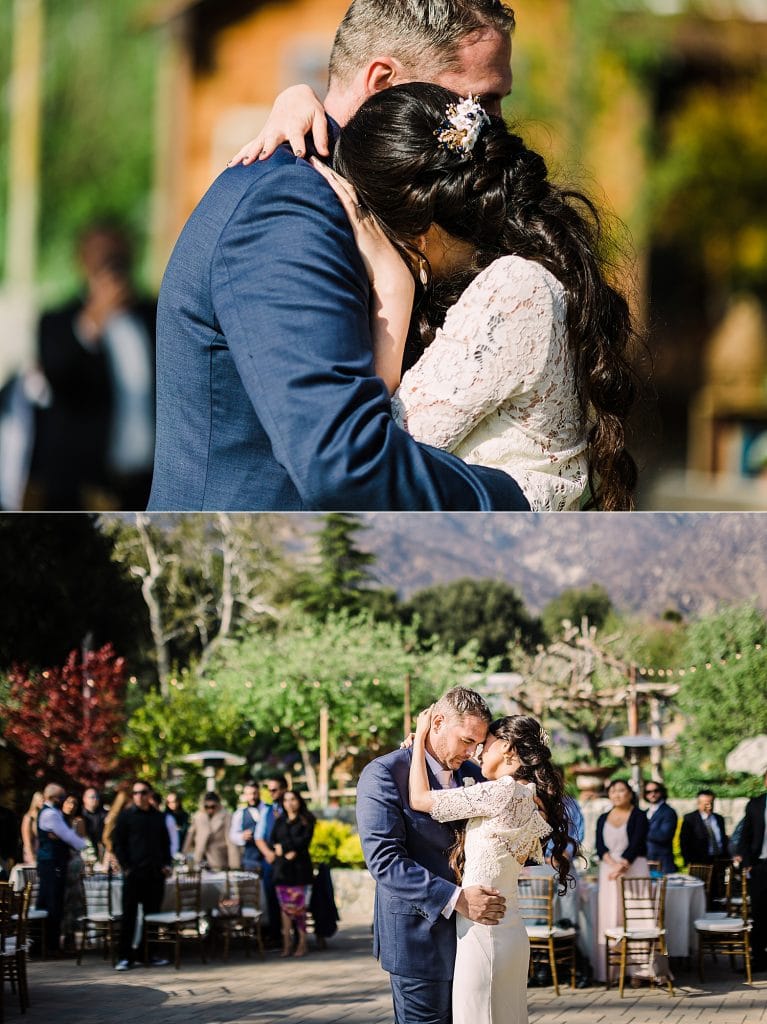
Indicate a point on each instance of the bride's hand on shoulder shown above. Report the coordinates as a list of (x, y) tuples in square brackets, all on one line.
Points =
[(423, 724), (386, 269), (296, 113)]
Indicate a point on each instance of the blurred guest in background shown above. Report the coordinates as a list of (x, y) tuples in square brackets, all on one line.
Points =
[(208, 836), (72, 906), (29, 840), (57, 841), (94, 441), (177, 820), (9, 841), (292, 869), (94, 816), (142, 848), (276, 786), (244, 825), (752, 852), (662, 826), (622, 851), (703, 838)]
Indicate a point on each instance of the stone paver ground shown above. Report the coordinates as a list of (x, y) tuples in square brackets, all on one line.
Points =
[(341, 985)]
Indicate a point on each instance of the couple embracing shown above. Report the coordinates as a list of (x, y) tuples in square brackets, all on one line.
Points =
[(447, 927), (421, 321)]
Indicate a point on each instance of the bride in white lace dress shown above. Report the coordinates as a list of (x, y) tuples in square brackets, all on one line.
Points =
[(521, 356), (504, 829)]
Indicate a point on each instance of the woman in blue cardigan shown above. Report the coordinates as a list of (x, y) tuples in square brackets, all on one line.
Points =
[(622, 852)]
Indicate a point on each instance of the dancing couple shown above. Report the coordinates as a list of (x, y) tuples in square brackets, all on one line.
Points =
[(422, 320), (447, 926)]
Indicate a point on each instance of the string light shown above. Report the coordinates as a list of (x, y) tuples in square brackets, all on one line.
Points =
[(669, 673)]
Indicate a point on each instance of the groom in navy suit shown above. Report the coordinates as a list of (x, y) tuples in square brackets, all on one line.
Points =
[(407, 852), (266, 391)]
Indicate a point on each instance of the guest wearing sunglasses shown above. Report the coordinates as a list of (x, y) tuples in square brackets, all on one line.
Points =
[(208, 836), (142, 848), (662, 826)]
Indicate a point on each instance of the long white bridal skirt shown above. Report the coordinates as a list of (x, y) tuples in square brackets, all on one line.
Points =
[(491, 966)]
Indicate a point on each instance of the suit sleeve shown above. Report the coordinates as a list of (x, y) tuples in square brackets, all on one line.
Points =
[(665, 827), (292, 300), (381, 824), (686, 839)]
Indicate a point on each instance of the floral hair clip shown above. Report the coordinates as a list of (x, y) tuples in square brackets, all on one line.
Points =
[(462, 126), (545, 740)]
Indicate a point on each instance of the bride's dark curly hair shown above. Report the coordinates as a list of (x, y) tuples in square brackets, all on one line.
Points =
[(499, 199), (527, 739)]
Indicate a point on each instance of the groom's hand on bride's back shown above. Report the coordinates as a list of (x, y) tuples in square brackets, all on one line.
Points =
[(482, 904)]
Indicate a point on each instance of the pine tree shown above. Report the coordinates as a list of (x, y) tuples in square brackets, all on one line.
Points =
[(342, 577)]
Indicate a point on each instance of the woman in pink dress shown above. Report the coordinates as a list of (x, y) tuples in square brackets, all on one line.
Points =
[(622, 852)]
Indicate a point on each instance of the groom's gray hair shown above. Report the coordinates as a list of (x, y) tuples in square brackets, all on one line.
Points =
[(422, 34), (462, 703)]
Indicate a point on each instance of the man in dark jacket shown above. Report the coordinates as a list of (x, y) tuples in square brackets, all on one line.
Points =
[(142, 847), (752, 851), (662, 826), (703, 840)]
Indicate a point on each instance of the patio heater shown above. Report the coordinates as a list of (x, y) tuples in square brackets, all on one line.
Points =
[(633, 749), (212, 761)]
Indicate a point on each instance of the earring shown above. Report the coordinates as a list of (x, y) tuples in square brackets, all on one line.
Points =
[(423, 273)]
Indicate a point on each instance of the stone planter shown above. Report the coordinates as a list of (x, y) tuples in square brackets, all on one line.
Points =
[(354, 891)]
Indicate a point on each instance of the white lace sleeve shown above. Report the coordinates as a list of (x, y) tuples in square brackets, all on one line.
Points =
[(494, 343), (485, 800), (528, 829)]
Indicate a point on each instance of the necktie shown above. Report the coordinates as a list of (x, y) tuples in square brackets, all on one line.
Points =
[(713, 842), (445, 778)]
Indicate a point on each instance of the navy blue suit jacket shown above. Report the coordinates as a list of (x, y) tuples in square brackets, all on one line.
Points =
[(266, 391), (661, 829), (406, 852)]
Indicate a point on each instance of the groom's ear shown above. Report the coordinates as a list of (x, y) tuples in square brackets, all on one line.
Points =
[(382, 73)]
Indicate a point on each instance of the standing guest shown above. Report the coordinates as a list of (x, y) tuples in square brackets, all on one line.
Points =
[(94, 816), (175, 810), (72, 907), (622, 852), (752, 852), (9, 841), (56, 841), (208, 836), (292, 869), (703, 838), (662, 826), (121, 800), (142, 848), (97, 354), (276, 786), (29, 840), (245, 824)]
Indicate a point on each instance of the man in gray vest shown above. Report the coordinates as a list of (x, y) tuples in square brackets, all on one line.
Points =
[(244, 824), (57, 840)]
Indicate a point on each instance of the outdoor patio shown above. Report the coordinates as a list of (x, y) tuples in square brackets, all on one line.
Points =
[(341, 984)]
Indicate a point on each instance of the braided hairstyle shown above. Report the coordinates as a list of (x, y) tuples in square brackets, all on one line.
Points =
[(526, 737), (499, 199)]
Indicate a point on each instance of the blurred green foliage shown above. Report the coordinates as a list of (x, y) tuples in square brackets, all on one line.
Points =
[(335, 843)]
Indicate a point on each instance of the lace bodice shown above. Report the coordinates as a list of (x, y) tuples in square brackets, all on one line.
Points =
[(504, 827), (497, 386)]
